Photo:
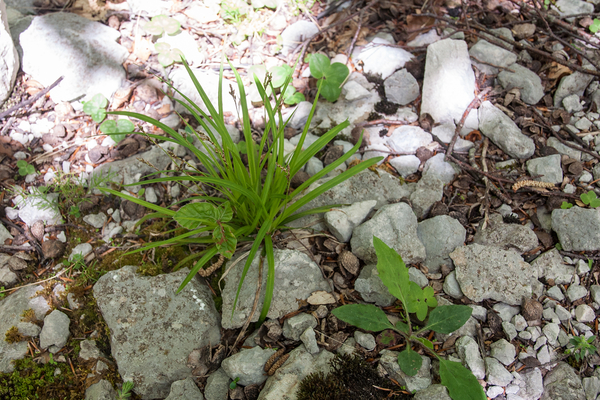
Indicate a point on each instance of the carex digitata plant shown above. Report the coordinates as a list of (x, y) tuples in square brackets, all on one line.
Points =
[(254, 199)]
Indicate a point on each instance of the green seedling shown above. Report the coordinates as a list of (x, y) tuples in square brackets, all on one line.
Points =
[(590, 199), (331, 76), (25, 168), (125, 392), (117, 129), (461, 383), (565, 205), (583, 347), (595, 26), (233, 384), (255, 200), (233, 13), (166, 54), (291, 96), (162, 23), (96, 107)]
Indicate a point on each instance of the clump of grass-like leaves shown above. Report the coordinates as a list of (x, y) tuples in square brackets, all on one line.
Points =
[(252, 205)]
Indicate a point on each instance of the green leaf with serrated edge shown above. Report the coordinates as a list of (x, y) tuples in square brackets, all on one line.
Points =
[(192, 216), (447, 319), (337, 73), (318, 64), (425, 342), (409, 361), (392, 271), (401, 326), (363, 316), (279, 74), (461, 383), (225, 240)]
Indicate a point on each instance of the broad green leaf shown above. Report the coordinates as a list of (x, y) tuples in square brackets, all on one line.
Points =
[(363, 316), (318, 64), (409, 361), (401, 326), (337, 73), (331, 91), (595, 26), (279, 74), (168, 24), (162, 47), (295, 98), (194, 215), (425, 342), (98, 101), (259, 71), (225, 240), (447, 319), (22, 164), (565, 205), (461, 383), (225, 212), (392, 271), (419, 300), (98, 115)]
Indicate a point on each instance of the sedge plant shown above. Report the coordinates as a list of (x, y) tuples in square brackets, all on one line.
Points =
[(461, 383), (254, 199)]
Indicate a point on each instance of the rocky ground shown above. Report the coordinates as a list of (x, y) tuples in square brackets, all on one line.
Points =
[(486, 115)]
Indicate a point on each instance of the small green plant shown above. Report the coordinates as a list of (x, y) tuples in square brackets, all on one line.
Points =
[(96, 107), (25, 168), (162, 23), (590, 199), (565, 205), (582, 347), (125, 391), (278, 75), (255, 198), (166, 54), (233, 12), (595, 26), (461, 383), (330, 76), (233, 383), (117, 129)]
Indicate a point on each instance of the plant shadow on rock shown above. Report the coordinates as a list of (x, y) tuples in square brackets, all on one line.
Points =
[(350, 378)]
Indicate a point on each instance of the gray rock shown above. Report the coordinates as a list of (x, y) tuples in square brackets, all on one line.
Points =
[(519, 322), (509, 330), (84, 52), (433, 392), (285, 382), (217, 385), (445, 132), (55, 331), (405, 165), (440, 235), (572, 84), (82, 250), (28, 329), (418, 277), (506, 236), (551, 266), (401, 87), (505, 312), (502, 32), (595, 293), (555, 293), (366, 340), (451, 286), (564, 149), (5, 234), (571, 7), (10, 59), (584, 313), (578, 229), (185, 389), (407, 139), (479, 312), (496, 373), (102, 390), (591, 387), (371, 288), (449, 81), (491, 54), (154, 329), (562, 383), (551, 331), (486, 272), (248, 365), (443, 170), (33, 209), (96, 220), (313, 166), (543, 355), (503, 351), (549, 167), (296, 277), (531, 384), (468, 351), (89, 351), (563, 314), (366, 185), (309, 339), (374, 52), (572, 103), (342, 221), (396, 225), (496, 125), (576, 292), (527, 81), (293, 327), (297, 33), (10, 352), (422, 380), (7, 277), (428, 191)]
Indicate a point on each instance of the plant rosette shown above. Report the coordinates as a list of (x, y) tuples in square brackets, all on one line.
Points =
[(461, 383), (331, 76), (255, 199), (25, 168), (117, 129), (96, 107), (162, 23), (166, 54)]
